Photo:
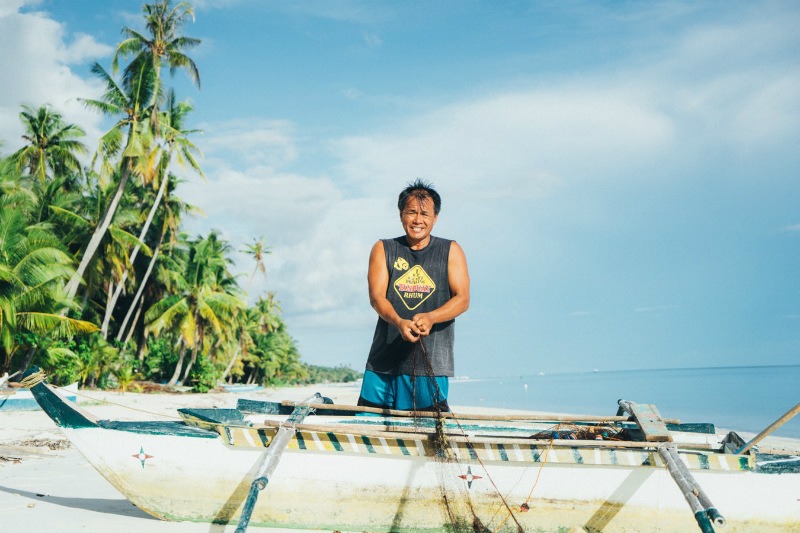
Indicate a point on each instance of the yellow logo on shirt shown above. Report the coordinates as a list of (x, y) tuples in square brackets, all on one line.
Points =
[(414, 287), (401, 264)]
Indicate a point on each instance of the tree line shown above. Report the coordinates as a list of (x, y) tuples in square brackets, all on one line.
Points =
[(99, 283)]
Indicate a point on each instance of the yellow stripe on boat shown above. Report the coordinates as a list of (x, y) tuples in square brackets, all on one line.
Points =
[(558, 453)]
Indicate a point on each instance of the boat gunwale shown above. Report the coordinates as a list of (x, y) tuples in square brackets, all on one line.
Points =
[(531, 417), (477, 439), (425, 434)]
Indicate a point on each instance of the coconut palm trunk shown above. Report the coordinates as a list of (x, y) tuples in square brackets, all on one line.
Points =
[(228, 369), (139, 308), (198, 344), (94, 243), (141, 288), (179, 366), (113, 300)]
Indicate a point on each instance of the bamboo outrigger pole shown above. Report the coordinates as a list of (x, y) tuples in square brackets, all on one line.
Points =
[(652, 425), (772, 427), (272, 456), (690, 489)]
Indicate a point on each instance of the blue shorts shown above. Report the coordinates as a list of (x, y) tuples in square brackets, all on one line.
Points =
[(398, 392)]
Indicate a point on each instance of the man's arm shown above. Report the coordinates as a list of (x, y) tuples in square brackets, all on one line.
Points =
[(458, 278), (378, 281)]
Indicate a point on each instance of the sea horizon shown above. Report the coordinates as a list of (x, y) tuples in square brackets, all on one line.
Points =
[(598, 371), (740, 398)]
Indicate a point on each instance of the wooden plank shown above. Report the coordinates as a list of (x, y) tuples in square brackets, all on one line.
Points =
[(650, 421), (348, 410)]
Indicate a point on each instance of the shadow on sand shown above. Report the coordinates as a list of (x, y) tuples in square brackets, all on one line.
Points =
[(110, 506), (116, 506)]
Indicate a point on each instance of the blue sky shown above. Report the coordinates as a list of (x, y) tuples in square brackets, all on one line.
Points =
[(624, 177)]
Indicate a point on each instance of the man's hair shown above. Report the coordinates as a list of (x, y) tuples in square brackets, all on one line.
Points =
[(421, 190)]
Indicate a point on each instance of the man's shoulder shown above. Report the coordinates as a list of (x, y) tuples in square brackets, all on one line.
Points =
[(395, 242)]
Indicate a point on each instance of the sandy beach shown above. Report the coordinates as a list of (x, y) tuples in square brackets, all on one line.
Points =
[(46, 485)]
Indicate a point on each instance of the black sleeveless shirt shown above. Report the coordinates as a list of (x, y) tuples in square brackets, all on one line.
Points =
[(418, 283)]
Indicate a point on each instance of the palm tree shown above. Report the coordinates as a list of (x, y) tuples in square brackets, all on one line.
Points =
[(164, 43), (257, 251), (76, 222), (179, 147), (141, 79), (33, 269), (53, 146), (261, 319), (60, 192), (204, 299), (170, 217), (127, 101), (275, 359)]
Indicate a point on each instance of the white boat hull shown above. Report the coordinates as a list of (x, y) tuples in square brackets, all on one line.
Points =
[(205, 479)]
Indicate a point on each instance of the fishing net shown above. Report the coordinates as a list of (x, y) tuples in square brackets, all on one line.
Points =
[(454, 479)]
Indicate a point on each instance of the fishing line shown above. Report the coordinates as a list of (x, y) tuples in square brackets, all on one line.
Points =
[(40, 377)]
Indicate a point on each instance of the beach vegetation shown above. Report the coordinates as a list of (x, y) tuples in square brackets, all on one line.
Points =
[(99, 282)]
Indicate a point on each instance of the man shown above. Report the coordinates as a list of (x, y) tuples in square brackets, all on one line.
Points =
[(418, 285)]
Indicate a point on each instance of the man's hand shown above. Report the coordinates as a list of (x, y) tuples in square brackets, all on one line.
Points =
[(409, 331), (423, 323)]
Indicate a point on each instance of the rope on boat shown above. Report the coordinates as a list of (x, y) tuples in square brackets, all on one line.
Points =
[(40, 377), (34, 379), (128, 407), (525, 506)]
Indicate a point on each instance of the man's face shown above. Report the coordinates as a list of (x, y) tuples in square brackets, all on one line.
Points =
[(418, 219)]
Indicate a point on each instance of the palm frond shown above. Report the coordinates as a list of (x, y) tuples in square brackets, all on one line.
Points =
[(55, 324)]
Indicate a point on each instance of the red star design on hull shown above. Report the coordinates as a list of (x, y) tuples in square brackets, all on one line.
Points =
[(469, 477), (142, 456)]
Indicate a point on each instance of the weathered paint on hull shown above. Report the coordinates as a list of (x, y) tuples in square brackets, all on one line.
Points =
[(202, 479)]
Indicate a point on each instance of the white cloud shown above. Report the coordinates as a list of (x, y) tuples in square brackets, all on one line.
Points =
[(771, 112), (655, 309), (372, 39), (319, 238), (267, 142), (10, 7), (517, 144), (41, 70)]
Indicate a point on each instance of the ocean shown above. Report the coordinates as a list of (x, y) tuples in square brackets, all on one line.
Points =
[(745, 399)]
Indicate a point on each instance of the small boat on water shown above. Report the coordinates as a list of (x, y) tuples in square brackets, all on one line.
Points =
[(346, 468)]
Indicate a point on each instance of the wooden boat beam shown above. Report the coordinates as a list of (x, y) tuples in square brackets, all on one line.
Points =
[(649, 420)]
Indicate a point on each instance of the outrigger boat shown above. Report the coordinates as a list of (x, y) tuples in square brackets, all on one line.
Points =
[(345, 468)]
